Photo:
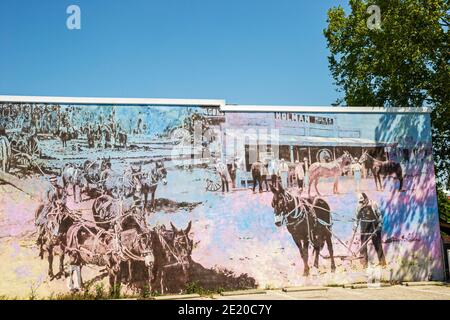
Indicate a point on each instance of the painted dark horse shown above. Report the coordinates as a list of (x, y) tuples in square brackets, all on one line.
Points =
[(307, 220), (121, 139), (382, 168), (150, 181), (172, 249), (53, 235), (73, 175), (93, 172), (170, 269), (89, 244), (64, 135)]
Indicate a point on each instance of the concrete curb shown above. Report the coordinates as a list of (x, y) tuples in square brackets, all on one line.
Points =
[(365, 286), (335, 285), (177, 297), (300, 289), (423, 283), (360, 286), (243, 292)]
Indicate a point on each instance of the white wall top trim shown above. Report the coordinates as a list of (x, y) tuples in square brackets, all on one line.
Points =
[(112, 101), (320, 109), (207, 102)]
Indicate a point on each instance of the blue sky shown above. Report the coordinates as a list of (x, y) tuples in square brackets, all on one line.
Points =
[(244, 51)]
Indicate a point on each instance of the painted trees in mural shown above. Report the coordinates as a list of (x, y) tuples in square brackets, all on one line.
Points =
[(113, 201)]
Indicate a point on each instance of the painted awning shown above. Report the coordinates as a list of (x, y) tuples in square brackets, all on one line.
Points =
[(307, 141), (329, 141)]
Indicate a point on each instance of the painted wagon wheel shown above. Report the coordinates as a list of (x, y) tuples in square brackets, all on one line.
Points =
[(13, 141), (24, 153), (20, 145), (322, 154), (32, 149), (10, 125), (181, 135), (23, 160), (212, 182)]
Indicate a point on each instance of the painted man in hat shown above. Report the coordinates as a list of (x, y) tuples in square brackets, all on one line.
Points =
[(273, 172), (357, 168), (299, 175), (5, 150), (283, 170), (369, 218), (239, 165), (222, 169)]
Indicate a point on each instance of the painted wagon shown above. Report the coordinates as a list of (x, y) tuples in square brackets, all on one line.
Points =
[(25, 150)]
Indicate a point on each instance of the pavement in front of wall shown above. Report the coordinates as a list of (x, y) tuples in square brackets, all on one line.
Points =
[(397, 292)]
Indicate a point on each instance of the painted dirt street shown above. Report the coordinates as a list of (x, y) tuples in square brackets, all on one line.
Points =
[(158, 198)]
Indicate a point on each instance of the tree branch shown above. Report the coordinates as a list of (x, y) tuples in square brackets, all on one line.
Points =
[(444, 23)]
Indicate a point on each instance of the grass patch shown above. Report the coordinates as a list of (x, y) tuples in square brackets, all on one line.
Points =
[(4, 297), (194, 287)]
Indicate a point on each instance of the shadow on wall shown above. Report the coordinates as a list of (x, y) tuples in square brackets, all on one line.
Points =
[(412, 212), (176, 280), (213, 279)]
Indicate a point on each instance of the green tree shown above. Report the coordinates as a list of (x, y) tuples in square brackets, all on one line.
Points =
[(405, 63), (444, 206)]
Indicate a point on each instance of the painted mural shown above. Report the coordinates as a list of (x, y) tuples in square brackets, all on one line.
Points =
[(163, 197)]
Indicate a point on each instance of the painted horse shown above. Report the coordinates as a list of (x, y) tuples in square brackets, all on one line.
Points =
[(121, 184), (53, 235), (92, 136), (93, 171), (150, 182), (138, 272), (121, 139), (89, 244), (109, 212), (333, 169), (382, 168), (74, 176), (123, 202), (64, 135), (107, 136), (307, 220), (172, 251)]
